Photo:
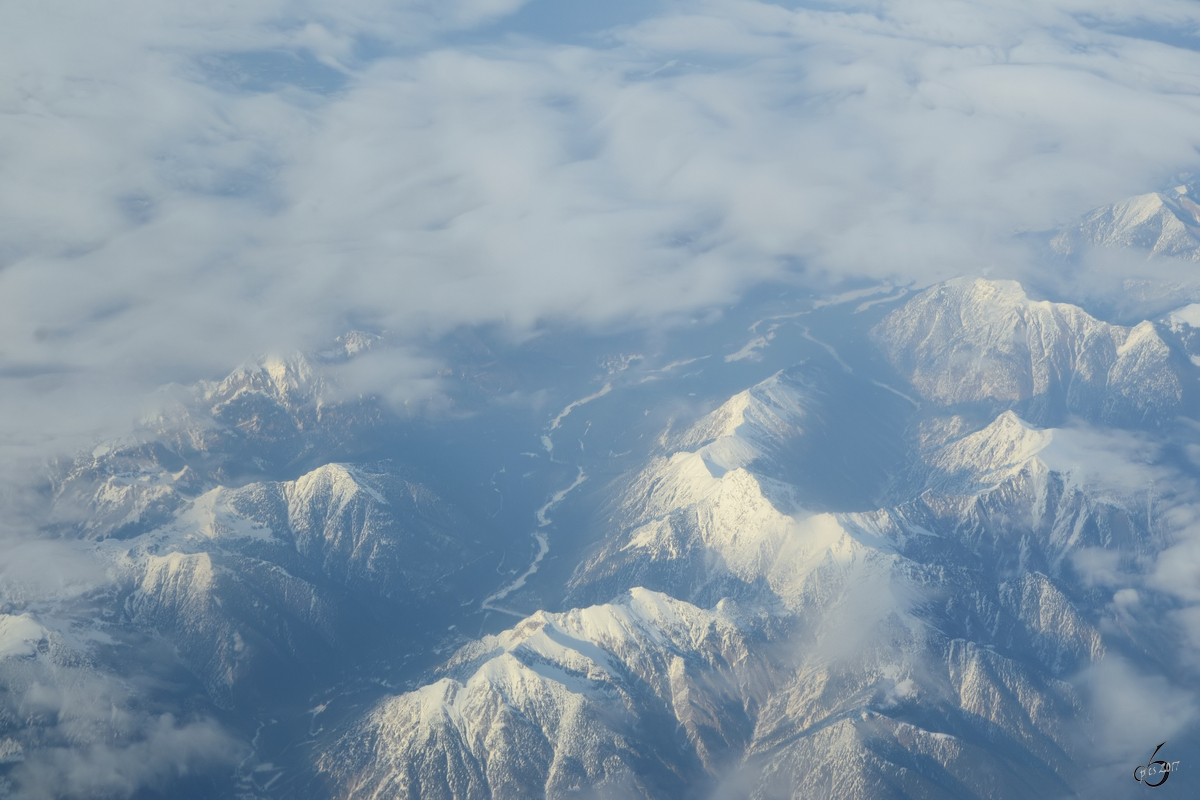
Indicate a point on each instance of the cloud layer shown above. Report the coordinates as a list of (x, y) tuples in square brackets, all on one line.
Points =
[(184, 187)]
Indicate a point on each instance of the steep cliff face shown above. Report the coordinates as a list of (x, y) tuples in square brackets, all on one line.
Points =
[(252, 580), (365, 527), (985, 342), (269, 416), (1161, 223), (644, 697)]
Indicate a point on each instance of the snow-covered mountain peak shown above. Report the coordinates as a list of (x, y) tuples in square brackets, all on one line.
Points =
[(1164, 223), (224, 513), (718, 424), (978, 341), (970, 339), (292, 380), (989, 456), (711, 457), (757, 418), (1142, 335), (212, 515), (550, 709), (341, 483), (355, 342), (584, 637)]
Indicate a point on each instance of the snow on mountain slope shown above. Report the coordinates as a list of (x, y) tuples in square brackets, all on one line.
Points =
[(751, 423), (831, 435), (233, 621), (266, 405), (249, 579), (293, 383), (817, 590), (959, 722), (120, 491), (707, 518), (759, 425), (712, 515), (864, 686), (935, 636), (264, 417), (993, 507), (986, 458), (1164, 223), (366, 527), (644, 697), (978, 341)]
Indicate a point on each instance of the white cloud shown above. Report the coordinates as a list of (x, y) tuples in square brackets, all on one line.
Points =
[(1112, 461), (38, 570), (1177, 570), (162, 219), (165, 751), (158, 225), (1130, 712)]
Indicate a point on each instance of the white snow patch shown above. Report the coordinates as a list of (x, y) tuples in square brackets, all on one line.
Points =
[(896, 392), (211, 517), (754, 328), (360, 483), (677, 364)]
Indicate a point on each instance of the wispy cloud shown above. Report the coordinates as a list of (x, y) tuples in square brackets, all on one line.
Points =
[(165, 750)]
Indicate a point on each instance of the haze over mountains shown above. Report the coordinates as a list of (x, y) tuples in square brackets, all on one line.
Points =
[(697, 399), (900, 542)]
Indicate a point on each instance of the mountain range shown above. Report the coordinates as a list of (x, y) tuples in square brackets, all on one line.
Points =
[(899, 542)]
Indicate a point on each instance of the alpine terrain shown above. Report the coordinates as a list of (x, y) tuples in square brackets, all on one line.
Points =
[(901, 541)]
